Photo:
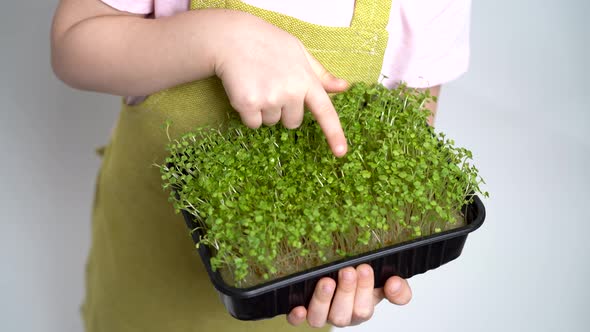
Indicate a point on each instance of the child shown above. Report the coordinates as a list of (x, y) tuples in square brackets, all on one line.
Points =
[(264, 59)]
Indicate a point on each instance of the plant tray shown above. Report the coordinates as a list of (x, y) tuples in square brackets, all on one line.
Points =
[(280, 296)]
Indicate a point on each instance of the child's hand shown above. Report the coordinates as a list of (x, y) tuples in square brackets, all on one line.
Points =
[(354, 301), (267, 73), (268, 76)]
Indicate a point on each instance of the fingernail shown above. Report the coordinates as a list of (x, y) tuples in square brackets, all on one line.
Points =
[(340, 150), (348, 275), (364, 272), (327, 288)]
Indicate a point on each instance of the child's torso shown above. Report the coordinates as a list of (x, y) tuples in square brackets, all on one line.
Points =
[(143, 271)]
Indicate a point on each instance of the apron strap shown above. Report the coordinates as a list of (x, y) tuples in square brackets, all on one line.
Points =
[(371, 14), (204, 4)]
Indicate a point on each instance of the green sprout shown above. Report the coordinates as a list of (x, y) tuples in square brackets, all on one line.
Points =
[(272, 201)]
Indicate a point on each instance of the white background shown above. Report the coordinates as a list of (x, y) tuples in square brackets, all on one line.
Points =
[(521, 110)]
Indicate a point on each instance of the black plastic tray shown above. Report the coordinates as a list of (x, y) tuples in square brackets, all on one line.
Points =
[(280, 296)]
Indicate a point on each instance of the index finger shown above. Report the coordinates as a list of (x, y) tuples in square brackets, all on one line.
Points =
[(320, 105)]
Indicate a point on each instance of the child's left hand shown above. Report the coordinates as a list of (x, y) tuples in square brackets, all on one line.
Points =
[(354, 301)]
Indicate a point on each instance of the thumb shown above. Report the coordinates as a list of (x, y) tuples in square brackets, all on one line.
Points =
[(328, 81), (397, 291)]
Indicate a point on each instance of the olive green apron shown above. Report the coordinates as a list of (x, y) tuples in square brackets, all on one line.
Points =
[(143, 271)]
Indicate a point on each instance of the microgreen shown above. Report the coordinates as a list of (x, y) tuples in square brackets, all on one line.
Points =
[(273, 201)]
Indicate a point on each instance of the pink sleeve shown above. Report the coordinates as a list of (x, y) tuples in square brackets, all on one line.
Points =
[(132, 6), (159, 8), (432, 42)]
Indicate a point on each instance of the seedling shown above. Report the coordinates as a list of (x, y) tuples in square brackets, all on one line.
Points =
[(272, 201)]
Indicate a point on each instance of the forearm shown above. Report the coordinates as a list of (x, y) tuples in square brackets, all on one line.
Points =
[(433, 105), (131, 55)]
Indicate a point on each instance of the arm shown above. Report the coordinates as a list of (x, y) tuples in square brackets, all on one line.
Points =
[(432, 106), (95, 47)]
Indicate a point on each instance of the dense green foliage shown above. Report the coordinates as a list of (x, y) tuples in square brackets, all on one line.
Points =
[(274, 201)]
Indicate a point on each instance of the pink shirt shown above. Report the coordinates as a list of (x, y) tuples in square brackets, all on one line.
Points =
[(428, 39)]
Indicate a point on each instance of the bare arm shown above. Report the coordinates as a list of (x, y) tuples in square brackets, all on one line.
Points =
[(98, 48), (432, 106)]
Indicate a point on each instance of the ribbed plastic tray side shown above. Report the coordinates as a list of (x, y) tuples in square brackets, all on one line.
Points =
[(404, 260), (405, 264)]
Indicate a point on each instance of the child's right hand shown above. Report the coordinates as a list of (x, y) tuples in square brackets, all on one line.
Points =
[(267, 73), (268, 76)]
